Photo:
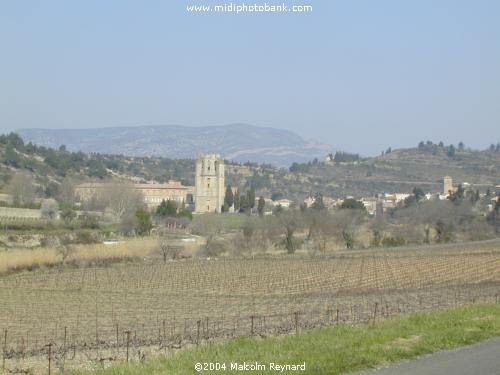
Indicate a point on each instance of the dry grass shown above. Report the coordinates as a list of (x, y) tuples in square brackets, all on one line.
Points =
[(27, 259), (137, 248), (20, 259)]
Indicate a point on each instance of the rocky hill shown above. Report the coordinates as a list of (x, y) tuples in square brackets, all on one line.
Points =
[(236, 142), (400, 171), (396, 171)]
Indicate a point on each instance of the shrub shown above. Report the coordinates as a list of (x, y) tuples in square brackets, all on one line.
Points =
[(83, 237), (444, 231), (216, 248), (393, 241), (49, 208)]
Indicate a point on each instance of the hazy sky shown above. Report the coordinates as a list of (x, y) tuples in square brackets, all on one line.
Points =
[(360, 75)]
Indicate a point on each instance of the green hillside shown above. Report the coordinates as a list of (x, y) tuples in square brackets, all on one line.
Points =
[(396, 171)]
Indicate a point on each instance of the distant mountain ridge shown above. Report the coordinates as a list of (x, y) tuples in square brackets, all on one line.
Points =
[(238, 142)]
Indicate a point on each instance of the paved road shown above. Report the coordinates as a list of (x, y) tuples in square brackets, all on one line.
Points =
[(478, 359)]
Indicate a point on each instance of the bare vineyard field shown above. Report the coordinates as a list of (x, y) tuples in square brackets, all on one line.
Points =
[(95, 316)]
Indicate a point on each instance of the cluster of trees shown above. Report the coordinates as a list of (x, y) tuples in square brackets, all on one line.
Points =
[(61, 162), (417, 221), (259, 181), (287, 230), (339, 157), (429, 145), (345, 157), (494, 148), (118, 199), (388, 151), (450, 150), (303, 167), (461, 194), (170, 209), (241, 202), (22, 190)]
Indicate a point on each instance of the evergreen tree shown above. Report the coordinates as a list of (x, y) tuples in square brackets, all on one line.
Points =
[(243, 203), (237, 201), (11, 157), (185, 213), (318, 202), (458, 195), (418, 193), (144, 223), (351, 203), (261, 205), (278, 209), (451, 151), (444, 232), (477, 196), (167, 208), (251, 197), (229, 197), (68, 214)]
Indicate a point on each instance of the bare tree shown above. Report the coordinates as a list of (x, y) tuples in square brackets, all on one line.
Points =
[(250, 228), (254, 231), (168, 250), (290, 221), (210, 226), (65, 249), (66, 193), (377, 228), (321, 227), (415, 223), (49, 209), (121, 198), (21, 188), (346, 223), (129, 223)]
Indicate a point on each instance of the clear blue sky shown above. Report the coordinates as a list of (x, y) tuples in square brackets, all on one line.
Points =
[(360, 75)]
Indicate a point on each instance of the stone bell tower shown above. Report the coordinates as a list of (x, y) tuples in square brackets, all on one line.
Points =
[(447, 185), (209, 183)]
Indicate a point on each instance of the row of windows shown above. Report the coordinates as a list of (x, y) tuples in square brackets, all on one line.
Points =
[(156, 199), (188, 199), (216, 165)]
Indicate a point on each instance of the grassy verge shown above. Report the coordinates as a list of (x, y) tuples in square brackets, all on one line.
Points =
[(337, 350), (231, 221)]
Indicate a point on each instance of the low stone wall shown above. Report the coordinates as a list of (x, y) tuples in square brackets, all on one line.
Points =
[(5, 198), (20, 213)]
